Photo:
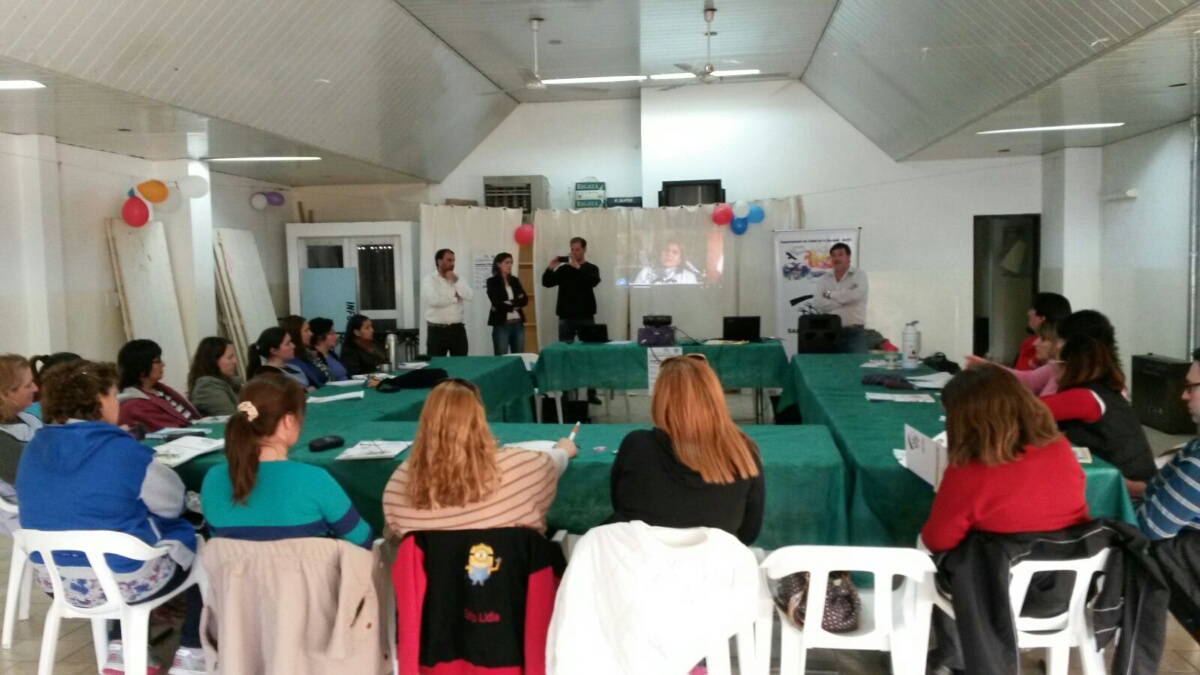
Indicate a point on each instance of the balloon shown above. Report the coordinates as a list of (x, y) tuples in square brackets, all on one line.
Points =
[(132, 192), (173, 201), (193, 187), (135, 212), (154, 191), (741, 209), (756, 214), (524, 234), (722, 214), (739, 226), (275, 199), (259, 201)]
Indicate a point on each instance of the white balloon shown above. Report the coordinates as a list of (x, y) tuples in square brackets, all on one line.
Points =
[(258, 201), (741, 209), (193, 187), (173, 201)]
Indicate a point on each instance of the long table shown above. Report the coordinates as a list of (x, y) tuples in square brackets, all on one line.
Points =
[(888, 503), (504, 385), (806, 478)]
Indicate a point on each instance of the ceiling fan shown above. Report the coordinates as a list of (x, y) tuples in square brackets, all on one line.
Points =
[(533, 81), (708, 74)]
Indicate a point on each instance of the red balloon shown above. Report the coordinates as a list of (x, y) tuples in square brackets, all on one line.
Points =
[(723, 214), (135, 212), (524, 234)]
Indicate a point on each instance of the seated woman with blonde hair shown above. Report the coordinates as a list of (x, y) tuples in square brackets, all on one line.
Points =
[(1010, 470), (457, 479), (695, 468)]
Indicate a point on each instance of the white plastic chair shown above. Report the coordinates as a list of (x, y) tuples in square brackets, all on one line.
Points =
[(531, 360), (1058, 634), (135, 619), (387, 597), (20, 583), (895, 621)]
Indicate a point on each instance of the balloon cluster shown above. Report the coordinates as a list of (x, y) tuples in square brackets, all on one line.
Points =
[(739, 216), (260, 200), (523, 234), (136, 210)]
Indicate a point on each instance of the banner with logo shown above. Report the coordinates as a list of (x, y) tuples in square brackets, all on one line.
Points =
[(801, 259)]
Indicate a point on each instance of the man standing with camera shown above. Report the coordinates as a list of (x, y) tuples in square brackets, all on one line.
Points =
[(575, 278)]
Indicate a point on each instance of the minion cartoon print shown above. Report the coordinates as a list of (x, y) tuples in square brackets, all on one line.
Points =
[(481, 563)]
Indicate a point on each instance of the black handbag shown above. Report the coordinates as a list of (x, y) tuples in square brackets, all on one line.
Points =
[(940, 363), (843, 606), (413, 379)]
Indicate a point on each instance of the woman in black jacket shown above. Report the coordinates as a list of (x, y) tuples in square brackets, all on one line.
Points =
[(506, 318), (695, 468), (360, 354)]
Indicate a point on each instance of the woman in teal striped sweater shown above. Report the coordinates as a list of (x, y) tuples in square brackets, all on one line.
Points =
[(259, 495)]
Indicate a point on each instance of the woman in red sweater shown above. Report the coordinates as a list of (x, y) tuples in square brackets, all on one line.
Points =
[(1010, 470)]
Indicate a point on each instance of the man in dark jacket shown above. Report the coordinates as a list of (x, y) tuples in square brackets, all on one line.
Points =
[(575, 280)]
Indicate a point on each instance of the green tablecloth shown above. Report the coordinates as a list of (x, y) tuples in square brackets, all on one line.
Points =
[(888, 503), (806, 480), (504, 384), (572, 365)]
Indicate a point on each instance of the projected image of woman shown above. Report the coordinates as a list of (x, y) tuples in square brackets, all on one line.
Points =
[(673, 268)]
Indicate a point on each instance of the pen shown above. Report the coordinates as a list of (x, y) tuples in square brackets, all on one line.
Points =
[(575, 429)]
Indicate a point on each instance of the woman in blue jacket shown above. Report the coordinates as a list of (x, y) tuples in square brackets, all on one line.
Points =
[(83, 472)]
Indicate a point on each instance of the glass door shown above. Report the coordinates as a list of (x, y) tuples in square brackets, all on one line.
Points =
[(379, 268)]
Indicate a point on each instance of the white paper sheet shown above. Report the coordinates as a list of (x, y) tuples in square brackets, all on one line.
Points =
[(1084, 455), (900, 398), (171, 432), (925, 457), (346, 383), (934, 381), (215, 419), (337, 397), (374, 450), (185, 449)]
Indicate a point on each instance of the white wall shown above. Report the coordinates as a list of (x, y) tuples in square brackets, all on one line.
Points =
[(231, 210), (1144, 242), (1071, 225), (777, 139), (562, 141)]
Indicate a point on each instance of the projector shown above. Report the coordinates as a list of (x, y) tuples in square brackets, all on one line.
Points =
[(656, 320), (656, 336)]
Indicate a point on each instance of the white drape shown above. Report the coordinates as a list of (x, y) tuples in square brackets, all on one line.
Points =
[(470, 232), (735, 270)]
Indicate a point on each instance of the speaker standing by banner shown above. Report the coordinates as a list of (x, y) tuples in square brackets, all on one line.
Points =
[(802, 260)]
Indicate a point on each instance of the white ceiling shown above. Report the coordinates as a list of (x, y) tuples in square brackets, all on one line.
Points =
[(402, 90)]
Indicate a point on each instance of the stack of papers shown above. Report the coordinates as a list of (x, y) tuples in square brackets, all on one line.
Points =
[(925, 457), (336, 397), (934, 381), (172, 432), (215, 419), (1084, 455), (900, 398), (375, 450), (185, 449), (413, 365), (346, 383)]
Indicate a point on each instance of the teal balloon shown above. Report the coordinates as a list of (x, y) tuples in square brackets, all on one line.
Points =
[(739, 226), (756, 214), (130, 193)]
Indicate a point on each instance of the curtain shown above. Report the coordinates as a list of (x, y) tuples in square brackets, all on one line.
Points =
[(475, 234)]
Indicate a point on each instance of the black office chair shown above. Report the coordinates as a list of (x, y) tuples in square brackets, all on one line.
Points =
[(819, 334)]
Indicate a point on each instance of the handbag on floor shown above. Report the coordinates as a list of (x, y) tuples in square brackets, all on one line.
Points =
[(843, 607)]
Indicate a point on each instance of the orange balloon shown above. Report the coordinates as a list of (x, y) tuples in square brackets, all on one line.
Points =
[(154, 191)]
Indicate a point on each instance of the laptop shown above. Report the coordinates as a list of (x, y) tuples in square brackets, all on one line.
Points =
[(743, 329), (597, 332)]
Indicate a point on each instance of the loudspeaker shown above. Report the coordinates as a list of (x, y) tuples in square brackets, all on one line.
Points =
[(1157, 393), (819, 334)]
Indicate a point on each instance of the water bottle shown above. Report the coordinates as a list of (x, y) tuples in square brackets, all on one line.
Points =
[(392, 349), (912, 346)]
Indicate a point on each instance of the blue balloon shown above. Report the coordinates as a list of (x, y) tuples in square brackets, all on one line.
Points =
[(756, 214), (130, 193), (739, 226)]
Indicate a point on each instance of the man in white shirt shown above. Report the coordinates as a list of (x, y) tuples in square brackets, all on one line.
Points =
[(444, 294), (844, 293)]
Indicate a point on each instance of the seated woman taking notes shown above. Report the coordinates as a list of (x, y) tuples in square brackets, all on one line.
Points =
[(456, 479), (695, 468), (259, 495), (1010, 470)]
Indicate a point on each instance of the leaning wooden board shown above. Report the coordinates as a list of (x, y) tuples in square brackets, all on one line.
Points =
[(243, 284), (146, 284)]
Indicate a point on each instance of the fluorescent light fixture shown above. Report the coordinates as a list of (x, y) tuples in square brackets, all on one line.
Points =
[(735, 73), (263, 159), (673, 76), (1065, 127), (21, 84), (596, 80)]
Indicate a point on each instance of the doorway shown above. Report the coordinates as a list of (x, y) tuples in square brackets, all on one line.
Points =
[(1007, 259)]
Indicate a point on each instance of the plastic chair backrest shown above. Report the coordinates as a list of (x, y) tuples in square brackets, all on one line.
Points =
[(94, 544), (530, 359), (1022, 574), (883, 563), (8, 507)]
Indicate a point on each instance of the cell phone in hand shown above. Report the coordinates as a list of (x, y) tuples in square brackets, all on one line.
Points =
[(564, 258)]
